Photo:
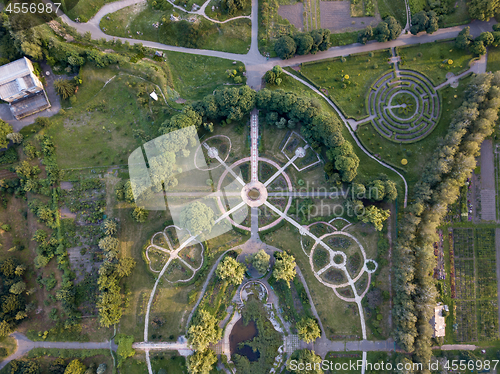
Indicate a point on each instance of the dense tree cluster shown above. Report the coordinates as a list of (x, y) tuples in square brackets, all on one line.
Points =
[(447, 170), (112, 270), (302, 43), (388, 29), (232, 6), (483, 10), (38, 44), (465, 40), (12, 287), (5, 129), (318, 128), (424, 21)]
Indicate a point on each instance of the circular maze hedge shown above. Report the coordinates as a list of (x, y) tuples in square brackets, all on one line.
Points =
[(405, 106)]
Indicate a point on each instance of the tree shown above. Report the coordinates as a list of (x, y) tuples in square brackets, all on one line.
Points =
[(65, 88), (365, 35), (308, 330), (304, 361), (204, 331), (5, 129), (487, 38), (58, 366), (376, 216), (75, 367), (432, 24), (260, 261), (231, 270), (201, 362), (394, 27), (376, 190), (16, 137), (382, 32), (464, 38), (197, 218), (109, 243), (304, 42), (18, 288), (140, 214), (419, 22), (478, 48), (270, 77), (109, 226), (5, 328), (285, 47), (284, 267), (391, 192), (483, 10)]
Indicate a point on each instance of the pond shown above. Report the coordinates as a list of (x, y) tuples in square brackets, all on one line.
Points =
[(241, 333)]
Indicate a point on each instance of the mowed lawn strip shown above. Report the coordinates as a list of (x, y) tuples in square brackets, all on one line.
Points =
[(432, 59), (349, 92)]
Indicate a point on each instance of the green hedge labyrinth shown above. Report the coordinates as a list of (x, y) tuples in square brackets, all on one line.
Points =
[(405, 106)]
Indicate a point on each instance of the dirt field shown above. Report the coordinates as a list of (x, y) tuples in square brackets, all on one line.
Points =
[(293, 13), (336, 16)]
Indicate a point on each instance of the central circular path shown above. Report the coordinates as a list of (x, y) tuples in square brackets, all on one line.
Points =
[(254, 194)]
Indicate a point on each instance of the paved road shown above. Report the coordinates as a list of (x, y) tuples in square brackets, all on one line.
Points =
[(24, 345)]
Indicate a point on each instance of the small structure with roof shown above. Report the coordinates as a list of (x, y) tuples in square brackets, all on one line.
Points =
[(438, 321), (21, 88)]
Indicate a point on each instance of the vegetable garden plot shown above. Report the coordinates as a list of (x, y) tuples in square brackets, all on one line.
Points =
[(463, 243), (465, 279), (488, 319), (466, 321), (485, 243)]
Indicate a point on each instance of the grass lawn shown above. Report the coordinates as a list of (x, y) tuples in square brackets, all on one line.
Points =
[(84, 9), (417, 153), (137, 21), (395, 8), (9, 344), (344, 38), (338, 317), (362, 70), (198, 76), (493, 62), (429, 59), (106, 123)]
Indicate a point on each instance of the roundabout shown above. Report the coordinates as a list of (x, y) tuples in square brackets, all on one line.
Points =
[(404, 105)]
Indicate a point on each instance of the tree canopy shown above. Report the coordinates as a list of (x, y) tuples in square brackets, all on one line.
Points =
[(260, 261), (284, 267), (204, 331), (5, 129), (231, 270), (197, 218), (308, 330)]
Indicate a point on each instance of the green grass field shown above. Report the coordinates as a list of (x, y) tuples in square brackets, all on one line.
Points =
[(198, 76), (143, 22), (460, 15), (84, 9), (493, 62), (395, 8), (431, 59), (349, 93)]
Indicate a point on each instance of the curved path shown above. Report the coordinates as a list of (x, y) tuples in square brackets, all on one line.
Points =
[(346, 123)]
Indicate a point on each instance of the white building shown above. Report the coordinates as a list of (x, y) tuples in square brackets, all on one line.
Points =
[(21, 88)]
